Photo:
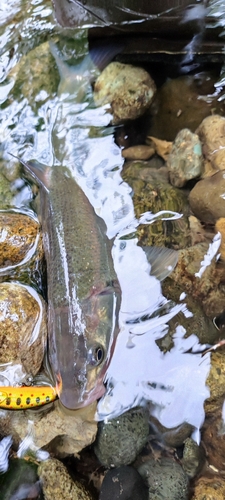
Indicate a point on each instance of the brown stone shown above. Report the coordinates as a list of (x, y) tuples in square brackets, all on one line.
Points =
[(207, 198), (23, 326), (18, 237)]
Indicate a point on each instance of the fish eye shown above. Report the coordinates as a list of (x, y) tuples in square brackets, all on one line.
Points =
[(95, 355)]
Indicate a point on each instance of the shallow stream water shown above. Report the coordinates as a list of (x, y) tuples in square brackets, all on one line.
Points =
[(57, 126)]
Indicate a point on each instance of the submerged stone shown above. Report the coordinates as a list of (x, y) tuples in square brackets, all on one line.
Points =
[(57, 484), (207, 198), (185, 162), (31, 80), (193, 457), (166, 479), (177, 104), (129, 90), (212, 135), (120, 440), (23, 326), (152, 192), (123, 483)]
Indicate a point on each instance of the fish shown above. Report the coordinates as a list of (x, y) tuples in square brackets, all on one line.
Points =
[(84, 294), (83, 290), (23, 397)]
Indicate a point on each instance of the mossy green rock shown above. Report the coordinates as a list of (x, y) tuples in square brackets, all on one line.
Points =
[(20, 474), (120, 440), (36, 77), (166, 479), (198, 324), (152, 192), (57, 484), (6, 193)]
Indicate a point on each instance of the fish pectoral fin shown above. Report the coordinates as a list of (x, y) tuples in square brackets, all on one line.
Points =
[(162, 260)]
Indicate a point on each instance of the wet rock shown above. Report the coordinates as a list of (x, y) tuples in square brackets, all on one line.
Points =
[(128, 89), (165, 479), (18, 238), (193, 457), (212, 134), (197, 230), (213, 430), (173, 437), (123, 483), (198, 323), (57, 484), (31, 80), (62, 433), (178, 102), (120, 440), (214, 440), (220, 227), (20, 481), (153, 193), (207, 488), (6, 191), (141, 152), (216, 384), (23, 326), (185, 162), (209, 290), (21, 250), (207, 198)]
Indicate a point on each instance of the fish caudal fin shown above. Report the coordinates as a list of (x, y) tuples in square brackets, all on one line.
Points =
[(162, 260)]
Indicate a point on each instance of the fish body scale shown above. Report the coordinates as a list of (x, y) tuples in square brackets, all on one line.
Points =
[(76, 253)]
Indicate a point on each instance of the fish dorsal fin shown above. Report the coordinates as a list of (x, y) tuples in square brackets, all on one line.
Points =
[(162, 260)]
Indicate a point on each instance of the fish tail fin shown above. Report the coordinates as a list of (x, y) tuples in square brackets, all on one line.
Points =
[(103, 52), (162, 260)]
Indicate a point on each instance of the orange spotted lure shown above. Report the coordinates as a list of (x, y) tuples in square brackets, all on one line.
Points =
[(24, 397)]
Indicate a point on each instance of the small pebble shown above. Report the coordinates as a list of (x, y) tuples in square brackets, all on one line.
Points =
[(141, 152)]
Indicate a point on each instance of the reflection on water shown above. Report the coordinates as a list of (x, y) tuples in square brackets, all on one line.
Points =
[(140, 371)]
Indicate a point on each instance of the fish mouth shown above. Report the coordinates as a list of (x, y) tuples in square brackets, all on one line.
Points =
[(73, 399)]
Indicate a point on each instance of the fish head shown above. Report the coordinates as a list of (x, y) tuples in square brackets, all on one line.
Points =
[(85, 355)]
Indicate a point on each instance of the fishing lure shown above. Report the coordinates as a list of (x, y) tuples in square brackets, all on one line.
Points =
[(21, 398)]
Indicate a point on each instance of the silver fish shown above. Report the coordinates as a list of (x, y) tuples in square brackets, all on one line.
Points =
[(83, 291)]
